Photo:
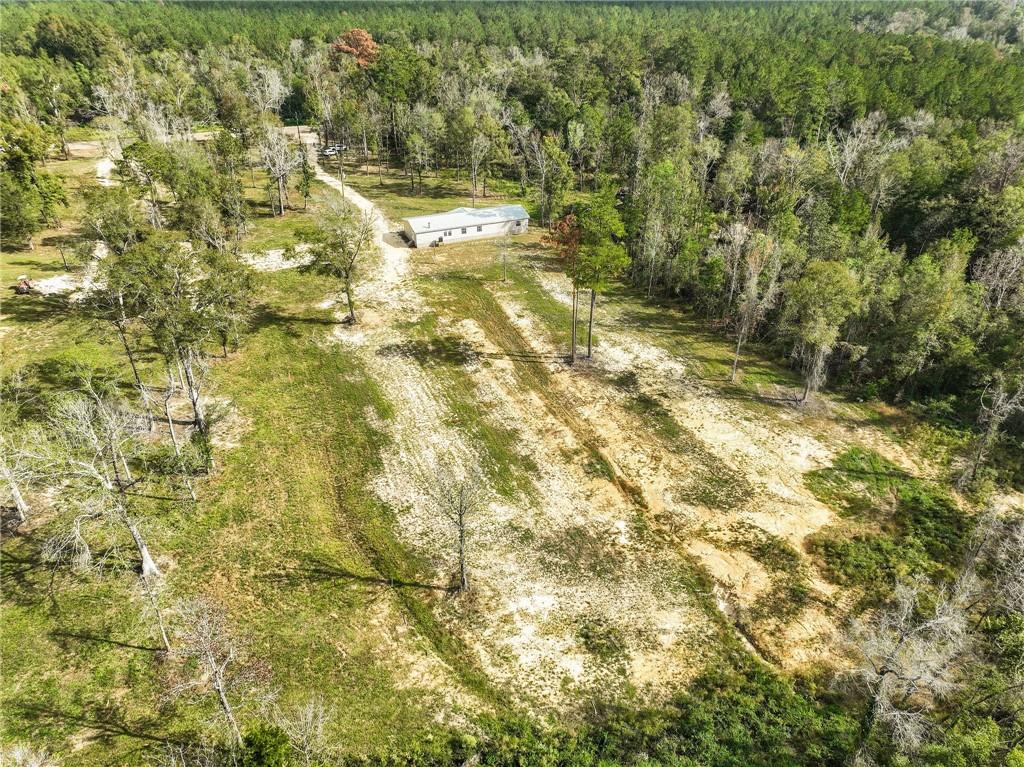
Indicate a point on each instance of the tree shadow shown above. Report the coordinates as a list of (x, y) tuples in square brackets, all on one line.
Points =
[(107, 722), (64, 240), (528, 254), (314, 569), (396, 240), (35, 308), (27, 578), (863, 416), (531, 357), (62, 638), (39, 266), (433, 188), (447, 350), (267, 316), (10, 521), (64, 375)]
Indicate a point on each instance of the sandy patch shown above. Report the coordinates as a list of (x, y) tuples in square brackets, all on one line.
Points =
[(63, 283), (104, 169), (78, 285), (544, 625), (274, 260), (771, 452)]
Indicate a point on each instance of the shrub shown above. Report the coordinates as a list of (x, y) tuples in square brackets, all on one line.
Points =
[(933, 519), (919, 528), (266, 746), (867, 560)]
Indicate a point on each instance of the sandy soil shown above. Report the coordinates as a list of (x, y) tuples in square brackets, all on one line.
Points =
[(274, 260), (104, 169), (771, 451), (533, 608), (78, 285)]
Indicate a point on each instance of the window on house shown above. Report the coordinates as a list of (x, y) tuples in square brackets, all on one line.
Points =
[(479, 228), (463, 230), (448, 234)]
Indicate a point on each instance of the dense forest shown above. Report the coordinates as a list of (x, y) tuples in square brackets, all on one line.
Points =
[(762, 156), (837, 186)]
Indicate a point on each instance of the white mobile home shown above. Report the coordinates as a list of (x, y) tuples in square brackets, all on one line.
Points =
[(465, 224)]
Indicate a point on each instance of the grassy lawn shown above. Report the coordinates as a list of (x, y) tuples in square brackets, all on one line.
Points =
[(290, 540), (266, 231), (288, 537), (398, 199)]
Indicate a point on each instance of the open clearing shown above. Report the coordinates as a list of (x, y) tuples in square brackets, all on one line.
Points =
[(640, 477), (633, 507)]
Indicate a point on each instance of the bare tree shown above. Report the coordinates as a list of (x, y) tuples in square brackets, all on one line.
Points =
[(859, 156), (576, 139), (93, 439), (280, 159), (760, 289), (998, 403), (732, 246), (151, 589), (855, 153), (479, 148), (119, 94), (108, 302), (505, 245), (1002, 274), (21, 755), (907, 657), (195, 363), (306, 726), (205, 638), (182, 468), (1008, 564), (541, 162), (520, 134), (20, 465), (324, 86), (265, 87), (156, 124), (1002, 166), (190, 755), (460, 500)]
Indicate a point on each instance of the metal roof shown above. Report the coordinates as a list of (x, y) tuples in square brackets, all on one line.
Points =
[(460, 217)]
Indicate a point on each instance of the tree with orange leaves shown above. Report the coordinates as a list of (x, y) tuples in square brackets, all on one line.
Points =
[(359, 44), (566, 236)]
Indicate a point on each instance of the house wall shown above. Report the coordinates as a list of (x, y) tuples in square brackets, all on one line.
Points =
[(497, 229)]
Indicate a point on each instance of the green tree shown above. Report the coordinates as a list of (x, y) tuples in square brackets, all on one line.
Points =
[(936, 312), (817, 304), (187, 297), (601, 255), (552, 174), (306, 176), (22, 206), (343, 238)]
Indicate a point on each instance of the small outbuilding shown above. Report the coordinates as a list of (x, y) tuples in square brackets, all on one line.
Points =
[(465, 224)]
